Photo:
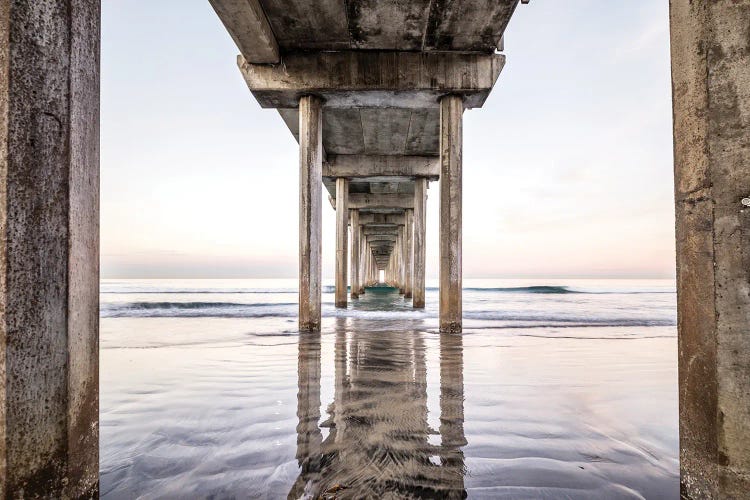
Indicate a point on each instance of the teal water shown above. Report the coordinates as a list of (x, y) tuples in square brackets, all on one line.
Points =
[(555, 390)]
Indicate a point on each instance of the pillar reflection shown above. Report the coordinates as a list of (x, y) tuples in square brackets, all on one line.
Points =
[(379, 442)]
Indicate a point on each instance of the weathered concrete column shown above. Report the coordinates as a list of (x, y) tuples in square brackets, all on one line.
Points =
[(356, 253), (49, 248), (711, 99), (401, 266), (310, 211), (362, 260), (420, 233), (409, 263), (365, 262), (451, 146), (342, 239)]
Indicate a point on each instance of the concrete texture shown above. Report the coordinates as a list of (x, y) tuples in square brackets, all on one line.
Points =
[(378, 219), (451, 159), (409, 256), (711, 86), (247, 25), (420, 257), (402, 260), (342, 241), (417, 25), (49, 248), (373, 166), (365, 201), (356, 79), (310, 212), (356, 253)]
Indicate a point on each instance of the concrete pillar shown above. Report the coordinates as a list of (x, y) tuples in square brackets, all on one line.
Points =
[(451, 146), (710, 43), (365, 262), (420, 233), (342, 239), (310, 211), (363, 254), (49, 249), (356, 254), (409, 263), (401, 269)]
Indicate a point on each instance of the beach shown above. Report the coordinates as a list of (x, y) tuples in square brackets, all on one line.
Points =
[(556, 389)]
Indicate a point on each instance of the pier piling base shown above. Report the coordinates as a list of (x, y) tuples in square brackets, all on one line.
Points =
[(711, 87), (49, 249)]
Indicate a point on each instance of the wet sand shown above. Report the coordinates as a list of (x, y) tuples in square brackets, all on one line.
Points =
[(385, 408)]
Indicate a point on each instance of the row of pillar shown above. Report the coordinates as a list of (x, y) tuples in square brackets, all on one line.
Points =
[(400, 272), (406, 267)]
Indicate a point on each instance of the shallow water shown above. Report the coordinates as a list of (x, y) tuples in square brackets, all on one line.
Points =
[(555, 390)]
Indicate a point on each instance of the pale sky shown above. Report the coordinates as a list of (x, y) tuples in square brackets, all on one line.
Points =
[(567, 168)]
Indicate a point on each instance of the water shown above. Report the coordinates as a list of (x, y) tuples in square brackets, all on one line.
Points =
[(557, 389)]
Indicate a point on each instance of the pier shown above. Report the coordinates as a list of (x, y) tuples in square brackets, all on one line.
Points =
[(375, 96), (374, 93)]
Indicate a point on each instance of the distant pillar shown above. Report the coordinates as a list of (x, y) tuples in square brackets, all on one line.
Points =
[(401, 261), (710, 43), (365, 261), (409, 263), (356, 254), (420, 233), (49, 249), (451, 138), (363, 253), (342, 236), (310, 211)]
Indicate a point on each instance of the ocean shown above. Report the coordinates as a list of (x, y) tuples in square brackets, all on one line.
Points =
[(556, 389)]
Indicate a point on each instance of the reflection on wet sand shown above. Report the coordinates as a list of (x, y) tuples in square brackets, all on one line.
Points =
[(379, 442)]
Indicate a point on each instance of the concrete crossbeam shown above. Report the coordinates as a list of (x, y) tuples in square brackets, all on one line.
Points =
[(388, 201), (370, 231), (247, 25), (374, 79), (369, 219), (363, 166)]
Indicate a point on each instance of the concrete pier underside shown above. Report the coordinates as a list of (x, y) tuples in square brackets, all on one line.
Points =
[(381, 71)]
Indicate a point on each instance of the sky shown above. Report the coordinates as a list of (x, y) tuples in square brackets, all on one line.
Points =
[(567, 167)]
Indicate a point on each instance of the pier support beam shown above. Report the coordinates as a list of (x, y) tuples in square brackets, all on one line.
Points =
[(365, 264), (49, 249), (342, 240), (711, 85), (420, 233), (401, 266), (409, 263), (356, 253), (310, 211), (451, 146)]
